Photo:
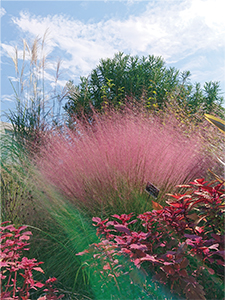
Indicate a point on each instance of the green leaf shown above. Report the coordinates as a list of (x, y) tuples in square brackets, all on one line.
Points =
[(219, 123)]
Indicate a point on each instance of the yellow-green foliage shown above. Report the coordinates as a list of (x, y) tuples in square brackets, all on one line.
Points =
[(219, 123)]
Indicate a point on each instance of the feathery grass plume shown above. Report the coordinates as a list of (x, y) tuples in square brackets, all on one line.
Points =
[(105, 164), (36, 107), (196, 123)]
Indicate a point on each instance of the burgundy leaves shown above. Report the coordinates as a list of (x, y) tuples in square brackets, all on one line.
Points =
[(16, 276), (191, 225)]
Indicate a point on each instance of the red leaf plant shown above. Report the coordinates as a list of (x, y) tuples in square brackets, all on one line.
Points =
[(16, 276), (190, 226)]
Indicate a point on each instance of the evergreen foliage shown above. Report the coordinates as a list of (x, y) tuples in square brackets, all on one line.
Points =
[(146, 80)]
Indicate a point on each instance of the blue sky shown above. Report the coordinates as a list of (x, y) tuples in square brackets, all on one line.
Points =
[(188, 34)]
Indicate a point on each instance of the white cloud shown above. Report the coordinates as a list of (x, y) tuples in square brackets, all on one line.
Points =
[(211, 12), (172, 29), (2, 12), (187, 26)]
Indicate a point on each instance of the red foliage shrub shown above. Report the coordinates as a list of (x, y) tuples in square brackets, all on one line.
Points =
[(16, 276), (191, 226)]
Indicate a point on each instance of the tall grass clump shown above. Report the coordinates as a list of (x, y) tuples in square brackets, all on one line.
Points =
[(37, 109), (104, 165), (212, 138), (16, 199), (36, 96), (65, 233), (22, 203)]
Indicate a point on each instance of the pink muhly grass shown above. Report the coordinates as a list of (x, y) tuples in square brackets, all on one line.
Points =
[(103, 164)]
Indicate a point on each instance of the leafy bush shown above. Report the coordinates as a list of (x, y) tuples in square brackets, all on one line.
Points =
[(147, 80), (17, 278), (181, 245)]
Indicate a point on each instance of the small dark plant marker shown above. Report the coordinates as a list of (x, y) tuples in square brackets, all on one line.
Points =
[(152, 190)]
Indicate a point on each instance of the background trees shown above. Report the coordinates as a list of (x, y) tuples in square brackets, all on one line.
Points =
[(147, 80)]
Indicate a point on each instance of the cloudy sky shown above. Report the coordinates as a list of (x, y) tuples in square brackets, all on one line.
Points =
[(188, 34)]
